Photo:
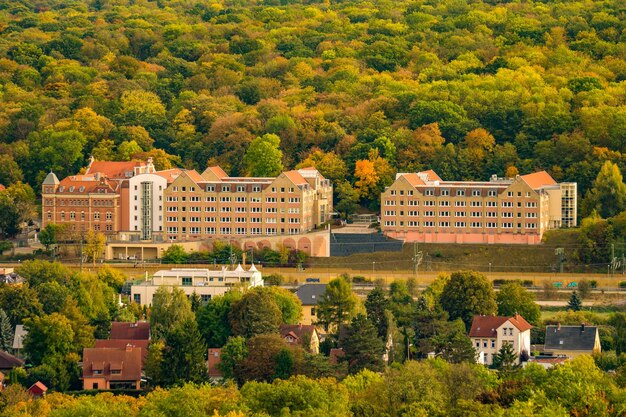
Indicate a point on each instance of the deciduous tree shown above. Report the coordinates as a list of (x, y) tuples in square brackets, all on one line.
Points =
[(467, 294)]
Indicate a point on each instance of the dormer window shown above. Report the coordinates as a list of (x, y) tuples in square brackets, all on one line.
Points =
[(61, 188), (81, 189), (128, 174)]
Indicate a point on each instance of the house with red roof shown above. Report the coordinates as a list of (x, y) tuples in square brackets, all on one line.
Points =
[(302, 335), (112, 368), (489, 333)]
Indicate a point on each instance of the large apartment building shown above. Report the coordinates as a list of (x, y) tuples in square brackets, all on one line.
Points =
[(132, 202), (214, 205), (421, 207)]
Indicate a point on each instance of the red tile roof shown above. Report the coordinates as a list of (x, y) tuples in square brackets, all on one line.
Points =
[(217, 171), (127, 361), (295, 177), (114, 169), (538, 179), (413, 179), (485, 326), (85, 184), (130, 331), (37, 389), (194, 176), (169, 174), (123, 343), (297, 331)]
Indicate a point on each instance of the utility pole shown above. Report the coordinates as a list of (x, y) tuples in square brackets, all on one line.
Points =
[(417, 259), (560, 252)]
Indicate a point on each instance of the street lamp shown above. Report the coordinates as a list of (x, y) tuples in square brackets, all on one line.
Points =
[(373, 264)]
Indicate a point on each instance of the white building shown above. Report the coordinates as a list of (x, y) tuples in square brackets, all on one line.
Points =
[(204, 282), (490, 333)]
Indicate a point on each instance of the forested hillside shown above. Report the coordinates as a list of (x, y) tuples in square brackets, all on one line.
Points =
[(468, 89)]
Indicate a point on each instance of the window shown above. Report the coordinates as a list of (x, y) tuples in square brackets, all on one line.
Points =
[(393, 192), (414, 203), (429, 203), (492, 193), (270, 200), (460, 193), (240, 199), (507, 204), (476, 204), (96, 215), (429, 224), (225, 188), (445, 191), (509, 194), (429, 214), (137, 298), (444, 214), (209, 230), (225, 230), (194, 199), (209, 199), (225, 209), (476, 193), (390, 223), (444, 224), (187, 281), (429, 191), (476, 225), (210, 188), (460, 203), (459, 214), (444, 203), (459, 224), (256, 189), (241, 188), (493, 343), (224, 199), (484, 343), (507, 225)]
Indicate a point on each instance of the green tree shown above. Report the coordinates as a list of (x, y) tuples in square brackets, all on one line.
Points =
[(213, 319), (290, 306), (256, 313), (10, 219), (264, 157), (261, 362), (48, 336), (618, 321), (513, 298), (184, 354), (169, 308), (376, 305), (59, 152), (48, 235), (337, 305), (284, 364), (232, 354), (467, 294), (362, 346), (575, 303), (347, 199), (608, 194), (154, 362), (19, 302), (452, 343), (505, 359), (175, 254), (6, 332)]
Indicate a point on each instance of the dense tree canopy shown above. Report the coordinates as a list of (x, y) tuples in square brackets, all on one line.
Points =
[(421, 84)]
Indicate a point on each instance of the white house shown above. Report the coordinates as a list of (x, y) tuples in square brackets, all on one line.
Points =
[(206, 283), (490, 333)]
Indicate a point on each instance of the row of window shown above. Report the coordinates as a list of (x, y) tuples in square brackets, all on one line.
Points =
[(198, 219), (460, 193), (446, 203), (226, 209), (429, 213), (83, 203), (228, 188), (72, 215), (195, 230), (461, 224)]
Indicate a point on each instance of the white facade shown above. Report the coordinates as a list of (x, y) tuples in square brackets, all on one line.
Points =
[(489, 341), (146, 206), (204, 282)]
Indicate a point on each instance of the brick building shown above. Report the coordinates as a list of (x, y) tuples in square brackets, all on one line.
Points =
[(421, 207)]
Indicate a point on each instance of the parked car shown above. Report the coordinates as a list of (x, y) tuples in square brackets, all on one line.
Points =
[(312, 280)]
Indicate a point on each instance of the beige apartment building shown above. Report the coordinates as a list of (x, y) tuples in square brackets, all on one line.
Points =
[(213, 205), (421, 207)]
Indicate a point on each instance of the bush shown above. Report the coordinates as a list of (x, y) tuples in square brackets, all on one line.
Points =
[(622, 284), (273, 279), (359, 279)]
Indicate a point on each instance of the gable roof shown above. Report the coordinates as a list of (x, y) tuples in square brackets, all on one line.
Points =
[(486, 326), (123, 343), (538, 179), (215, 172), (297, 331), (431, 175), (169, 174), (106, 360), (295, 177), (114, 169), (571, 338), (18, 336), (309, 294), (85, 184), (37, 388), (130, 331), (8, 361)]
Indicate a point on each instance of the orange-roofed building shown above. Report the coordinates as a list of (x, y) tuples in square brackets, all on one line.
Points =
[(421, 207), (490, 333), (110, 368), (213, 205)]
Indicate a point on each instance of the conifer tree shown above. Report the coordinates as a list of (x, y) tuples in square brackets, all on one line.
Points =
[(6, 332), (575, 303)]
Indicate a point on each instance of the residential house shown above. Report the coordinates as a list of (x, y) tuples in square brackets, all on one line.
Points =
[(206, 283), (112, 368), (37, 390), (490, 333), (8, 362), (141, 344), (301, 335), (421, 207), (309, 295), (130, 331), (572, 341)]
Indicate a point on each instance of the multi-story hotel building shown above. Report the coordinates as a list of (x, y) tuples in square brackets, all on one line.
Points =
[(421, 207), (214, 205)]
